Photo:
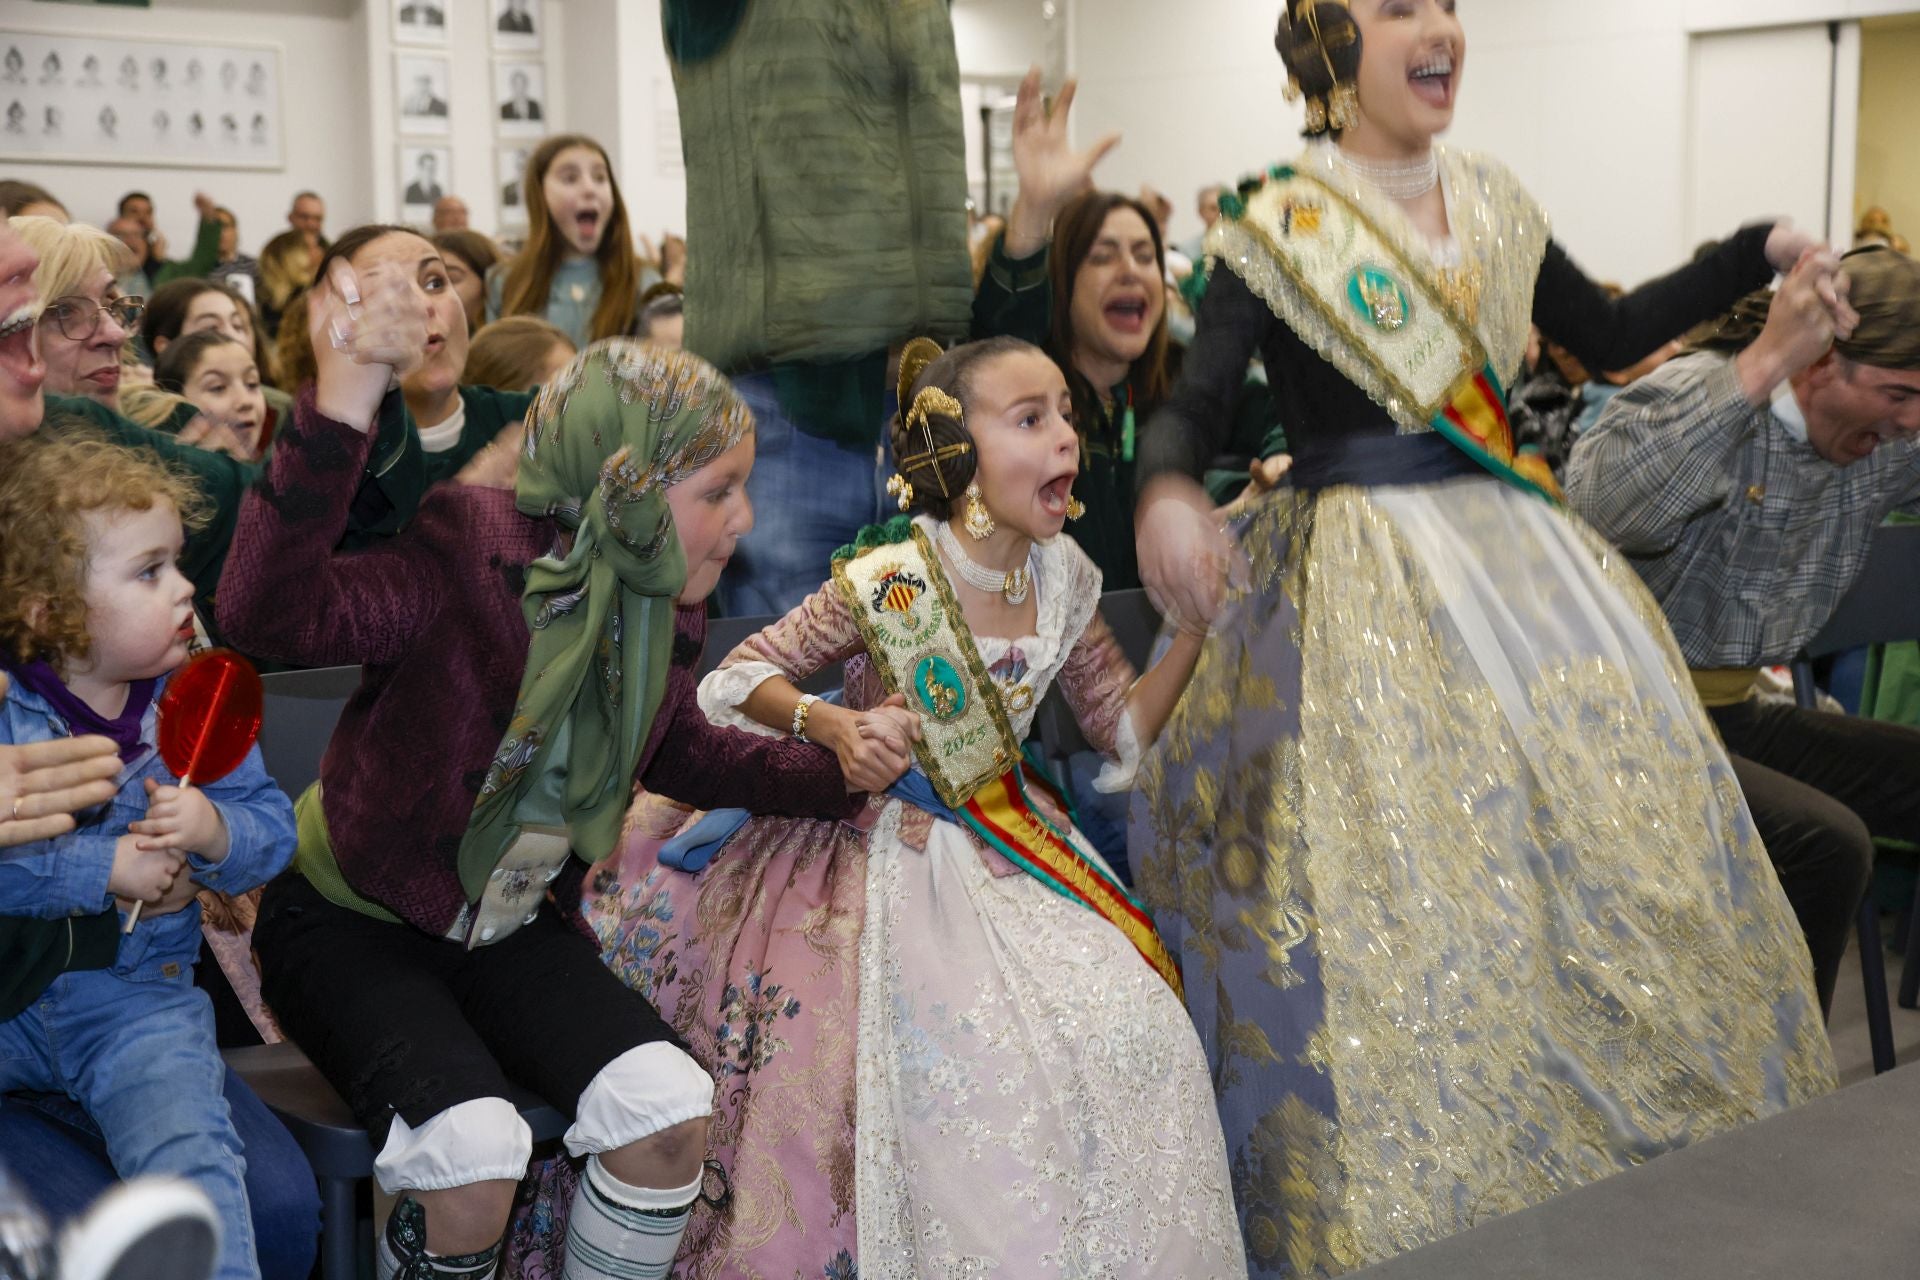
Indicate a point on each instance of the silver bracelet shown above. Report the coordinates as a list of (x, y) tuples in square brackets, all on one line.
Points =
[(800, 710)]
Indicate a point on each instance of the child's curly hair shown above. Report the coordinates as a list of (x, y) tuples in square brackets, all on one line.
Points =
[(48, 481)]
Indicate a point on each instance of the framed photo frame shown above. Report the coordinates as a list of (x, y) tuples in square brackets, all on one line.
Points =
[(510, 169), (516, 25), (422, 92), (69, 97), (520, 108), (424, 174), (421, 22)]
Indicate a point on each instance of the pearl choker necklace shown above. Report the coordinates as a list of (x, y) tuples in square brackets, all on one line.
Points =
[(1397, 179), (1012, 586)]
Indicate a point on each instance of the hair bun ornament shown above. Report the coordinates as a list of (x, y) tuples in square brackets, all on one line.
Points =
[(914, 359)]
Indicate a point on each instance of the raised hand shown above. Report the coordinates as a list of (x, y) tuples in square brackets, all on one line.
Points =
[(204, 206), (367, 332), (1806, 315), (42, 784), (183, 820), (1051, 171)]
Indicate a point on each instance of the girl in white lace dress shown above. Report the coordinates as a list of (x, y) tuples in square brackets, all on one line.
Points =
[(946, 1042)]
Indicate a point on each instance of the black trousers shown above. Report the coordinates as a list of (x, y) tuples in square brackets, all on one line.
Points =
[(1821, 787)]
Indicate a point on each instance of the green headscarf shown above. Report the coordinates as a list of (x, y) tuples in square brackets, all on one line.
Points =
[(620, 425)]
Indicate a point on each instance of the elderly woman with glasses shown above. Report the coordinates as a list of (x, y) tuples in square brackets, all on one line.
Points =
[(83, 322)]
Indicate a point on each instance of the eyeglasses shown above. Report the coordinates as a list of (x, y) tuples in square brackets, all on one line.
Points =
[(79, 317)]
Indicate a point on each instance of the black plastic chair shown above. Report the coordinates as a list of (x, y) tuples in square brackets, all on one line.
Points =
[(724, 635), (300, 710), (337, 1147), (1881, 608)]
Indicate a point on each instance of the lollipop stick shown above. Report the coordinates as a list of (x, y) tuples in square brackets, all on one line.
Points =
[(193, 767)]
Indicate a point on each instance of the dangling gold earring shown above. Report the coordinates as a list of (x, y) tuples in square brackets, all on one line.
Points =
[(979, 523), (1316, 114), (1343, 106), (899, 487), (1075, 508)]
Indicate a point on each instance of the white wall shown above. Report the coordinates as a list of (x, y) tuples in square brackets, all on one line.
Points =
[(326, 127), (1587, 100)]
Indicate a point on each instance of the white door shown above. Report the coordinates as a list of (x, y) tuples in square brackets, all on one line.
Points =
[(1762, 127)]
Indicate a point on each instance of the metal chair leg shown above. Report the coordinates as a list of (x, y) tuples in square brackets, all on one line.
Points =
[(1873, 976), (339, 1230), (1910, 963)]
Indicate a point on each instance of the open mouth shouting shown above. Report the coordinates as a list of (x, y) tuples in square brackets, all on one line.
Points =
[(1433, 80), (587, 226), (19, 357), (1127, 313), (1056, 493)]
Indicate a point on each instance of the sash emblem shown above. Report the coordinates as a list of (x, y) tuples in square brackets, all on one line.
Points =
[(1379, 297)]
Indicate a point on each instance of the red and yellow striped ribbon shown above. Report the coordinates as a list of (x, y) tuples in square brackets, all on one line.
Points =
[(1001, 814)]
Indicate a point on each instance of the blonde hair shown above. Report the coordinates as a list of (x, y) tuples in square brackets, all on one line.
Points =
[(70, 254), (150, 406), (511, 353), (48, 482)]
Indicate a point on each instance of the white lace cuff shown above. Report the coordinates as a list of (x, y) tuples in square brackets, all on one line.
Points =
[(722, 692), (1116, 775)]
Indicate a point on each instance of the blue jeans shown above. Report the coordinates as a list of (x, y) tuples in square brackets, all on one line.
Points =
[(810, 496), (140, 1059), (54, 1141)]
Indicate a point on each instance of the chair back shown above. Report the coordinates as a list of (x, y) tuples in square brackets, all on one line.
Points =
[(1882, 606), (724, 635), (297, 717)]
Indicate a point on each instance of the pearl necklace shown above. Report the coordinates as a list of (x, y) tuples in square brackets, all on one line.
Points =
[(1011, 586), (1401, 180)]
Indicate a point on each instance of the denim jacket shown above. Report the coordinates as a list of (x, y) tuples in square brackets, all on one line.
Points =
[(67, 876)]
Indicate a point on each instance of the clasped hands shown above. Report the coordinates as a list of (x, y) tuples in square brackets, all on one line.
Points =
[(150, 861), (874, 747)]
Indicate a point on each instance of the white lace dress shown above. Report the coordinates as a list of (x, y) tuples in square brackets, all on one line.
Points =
[(1031, 1098)]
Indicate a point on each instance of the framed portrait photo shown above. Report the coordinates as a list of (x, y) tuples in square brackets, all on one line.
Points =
[(421, 21), (421, 92), (425, 174), (515, 24), (520, 97), (510, 170)]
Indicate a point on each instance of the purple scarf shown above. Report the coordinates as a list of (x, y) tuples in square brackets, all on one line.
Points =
[(82, 719)]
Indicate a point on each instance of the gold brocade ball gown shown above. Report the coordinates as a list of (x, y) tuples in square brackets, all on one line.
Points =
[(1469, 904)]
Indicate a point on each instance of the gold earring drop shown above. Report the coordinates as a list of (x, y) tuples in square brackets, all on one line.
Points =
[(1316, 114), (899, 487), (1343, 106), (1075, 508), (979, 523)]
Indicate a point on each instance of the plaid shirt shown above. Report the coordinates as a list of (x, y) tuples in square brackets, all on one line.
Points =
[(1746, 536)]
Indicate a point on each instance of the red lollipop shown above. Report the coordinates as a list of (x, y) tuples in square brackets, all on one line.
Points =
[(209, 718)]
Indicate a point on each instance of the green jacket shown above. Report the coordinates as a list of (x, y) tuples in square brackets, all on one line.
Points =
[(204, 258), (826, 193), (1015, 299)]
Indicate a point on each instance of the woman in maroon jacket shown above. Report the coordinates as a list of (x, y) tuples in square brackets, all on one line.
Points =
[(413, 952)]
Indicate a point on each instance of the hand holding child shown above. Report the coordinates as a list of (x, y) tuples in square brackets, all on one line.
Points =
[(181, 819)]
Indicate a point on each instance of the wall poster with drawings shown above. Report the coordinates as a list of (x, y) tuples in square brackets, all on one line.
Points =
[(92, 99)]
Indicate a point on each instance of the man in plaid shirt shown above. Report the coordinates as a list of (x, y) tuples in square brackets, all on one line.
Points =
[(1744, 483)]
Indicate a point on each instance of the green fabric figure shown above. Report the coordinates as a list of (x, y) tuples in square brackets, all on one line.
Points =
[(622, 425)]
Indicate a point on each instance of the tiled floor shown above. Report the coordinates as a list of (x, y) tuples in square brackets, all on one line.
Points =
[(1852, 1054)]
